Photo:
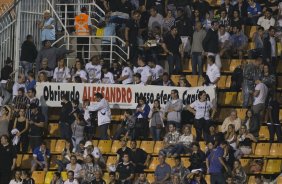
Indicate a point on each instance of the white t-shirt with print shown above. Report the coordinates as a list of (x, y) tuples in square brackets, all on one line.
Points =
[(157, 72), (213, 72), (126, 71), (144, 71), (200, 109), (82, 74), (262, 88), (108, 78), (62, 74), (93, 71)]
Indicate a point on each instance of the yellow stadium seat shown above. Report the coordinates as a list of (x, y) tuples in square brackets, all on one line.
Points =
[(262, 149), (154, 163), (202, 145), (193, 131), (263, 133), (54, 158), (234, 63), (279, 179), (222, 81), (280, 114), (38, 176), (19, 160), (225, 65), (223, 113), (148, 146), (228, 81), (201, 81), (26, 161), (60, 146), (51, 144), (241, 113), (251, 45), (245, 163), (193, 80), (151, 178), (64, 175), (239, 99), (175, 79), (106, 177), (170, 161), (95, 142), (115, 146), (208, 178), (105, 146), (48, 177), (279, 49), (230, 98), (252, 180), (185, 161), (53, 130), (273, 166), (252, 29), (276, 150), (158, 146), (111, 160)]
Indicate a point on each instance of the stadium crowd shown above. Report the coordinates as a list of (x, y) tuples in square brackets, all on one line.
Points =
[(163, 36)]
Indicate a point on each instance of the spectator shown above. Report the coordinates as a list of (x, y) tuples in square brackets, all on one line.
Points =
[(178, 169), (31, 82), (227, 7), (65, 122), (224, 19), (74, 166), (104, 115), (168, 22), (259, 179), (20, 100), (93, 69), (22, 125), (137, 79), (270, 48), (66, 154), (183, 82), (155, 20), (79, 71), (116, 70), (57, 178), (173, 109), (127, 127), (197, 158), (213, 72), (251, 71), (47, 26), (238, 173), (19, 84), (141, 179), (242, 7), (267, 20), (17, 178), (156, 71), (98, 178), (31, 95), (28, 54), (61, 72), (202, 6), (77, 128), (125, 170), (196, 177), (71, 179), (162, 172), (123, 150), (211, 43), (197, 49), (201, 109), (214, 135), (232, 119), (244, 141), (36, 124), (273, 124), (156, 123), (27, 179), (184, 142), (140, 158), (231, 136), (44, 68), (257, 38), (254, 11), (239, 42), (215, 163), (113, 179), (144, 70), (126, 75), (6, 72), (41, 156), (82, 24), (237, 20), (89, 148), (165, 81), (107, 77), (131, 38), (252, 123), (5, 120), (260, 95), (269, 79), (224, 41), (174, 48), (170, 140), (7, 159), (229, 180), (141, 114)]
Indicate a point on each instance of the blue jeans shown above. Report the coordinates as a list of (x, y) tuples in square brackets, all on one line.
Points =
[(27, 66), (217, 178), (174, 63), (178, 149), (197, 63), (155, 132)]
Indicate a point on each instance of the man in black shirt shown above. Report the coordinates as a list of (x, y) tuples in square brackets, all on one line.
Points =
[(36, 126), (123, 150), (131, 36), (274, 125), (125, 170), (173, 47), (65, 119), (7, 160), (140, 158)]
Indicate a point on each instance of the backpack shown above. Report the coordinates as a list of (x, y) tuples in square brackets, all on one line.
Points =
[(236, 79)]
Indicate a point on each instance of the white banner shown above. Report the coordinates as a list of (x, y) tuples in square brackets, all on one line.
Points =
[(119, 96)]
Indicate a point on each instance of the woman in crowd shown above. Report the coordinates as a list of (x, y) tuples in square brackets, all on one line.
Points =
[(141, 114), (66, 155), (42, 77), (21, 124), (156, 120), (238, 173), (62, 72), (232, 119), (17, 178), (231, 136), (5, 120), (74, 166), (79, 71), (252, 123), (77, 130), (57, 178), (168, 22), (244, 141), (197, 158), (88, 169), (26, 178)]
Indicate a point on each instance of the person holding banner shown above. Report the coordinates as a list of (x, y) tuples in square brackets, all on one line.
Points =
[(201, 109), (104, 115)]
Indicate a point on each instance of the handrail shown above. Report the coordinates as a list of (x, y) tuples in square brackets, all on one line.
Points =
[(13, 5), (72, 4)]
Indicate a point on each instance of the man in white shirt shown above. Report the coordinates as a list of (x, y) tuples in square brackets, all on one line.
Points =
[(137, 79), (71, 179), (126, 74), (156, 71), (224, 39), (143, 70), (104, 115), (19, 84), (267, 20), (107, 76), (213, 72), (93, 69), (260, 95)]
